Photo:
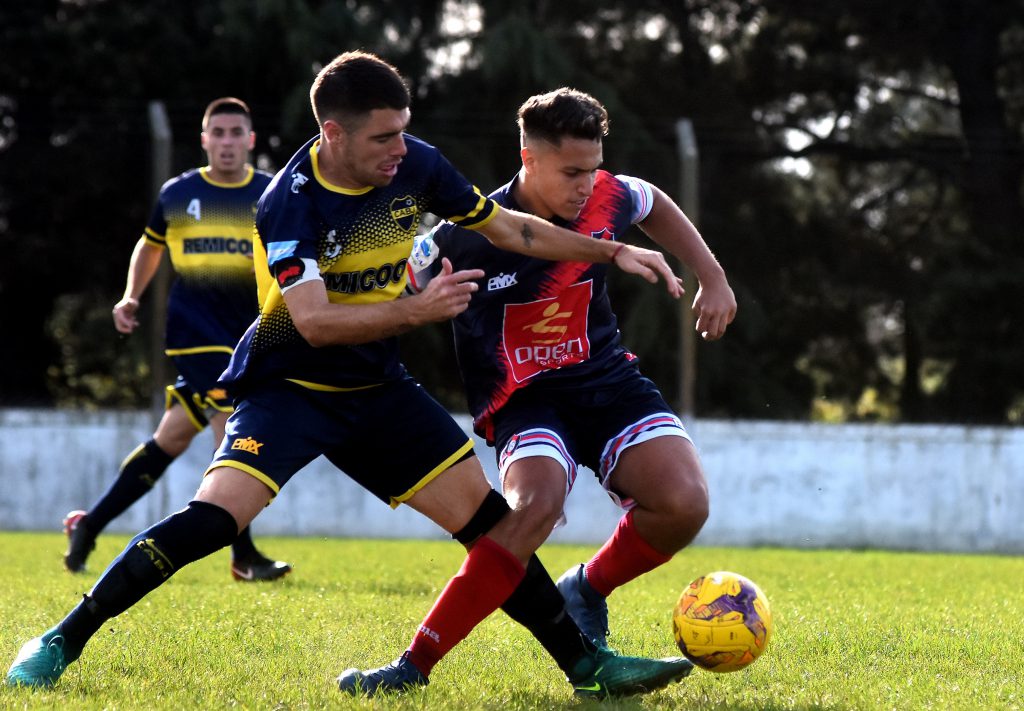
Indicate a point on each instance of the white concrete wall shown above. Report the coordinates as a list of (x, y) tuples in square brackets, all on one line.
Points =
[(773, 484)]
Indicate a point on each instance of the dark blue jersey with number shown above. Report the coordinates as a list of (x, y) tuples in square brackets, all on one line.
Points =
[(535, 320), (207, 229), (360, 241)]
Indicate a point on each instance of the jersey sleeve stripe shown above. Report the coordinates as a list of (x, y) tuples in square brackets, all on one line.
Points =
[(480, 215), (198, 349), (643, 197), (153, 238)]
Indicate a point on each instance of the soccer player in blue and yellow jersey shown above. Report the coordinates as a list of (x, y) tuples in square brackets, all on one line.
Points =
[(548, 380), (318, 373), (204, 220)]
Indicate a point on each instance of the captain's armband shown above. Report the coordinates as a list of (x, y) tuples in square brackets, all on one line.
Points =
[(292, 271)]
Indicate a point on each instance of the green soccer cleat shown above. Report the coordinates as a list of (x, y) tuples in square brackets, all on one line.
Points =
[(400, 675), (605, 673), (587, 607), (40, 662)]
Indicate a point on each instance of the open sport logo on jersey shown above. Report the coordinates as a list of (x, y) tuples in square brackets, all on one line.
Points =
[(405, 212), (548, 333)]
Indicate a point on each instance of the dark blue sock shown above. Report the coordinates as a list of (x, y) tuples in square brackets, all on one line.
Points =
[(150, 558), (139, 472)]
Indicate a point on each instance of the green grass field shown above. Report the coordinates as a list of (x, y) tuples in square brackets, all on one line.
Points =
[(853, 630)]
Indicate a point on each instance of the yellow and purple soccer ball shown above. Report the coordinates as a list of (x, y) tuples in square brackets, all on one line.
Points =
[(722, 622)]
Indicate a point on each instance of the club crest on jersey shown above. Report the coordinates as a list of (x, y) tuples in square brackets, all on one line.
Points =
[(331, 245), (404, 212), (298, 180), (603, 233)]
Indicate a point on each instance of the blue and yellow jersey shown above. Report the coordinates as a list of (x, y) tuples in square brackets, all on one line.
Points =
[(207, 228), (360, 241)]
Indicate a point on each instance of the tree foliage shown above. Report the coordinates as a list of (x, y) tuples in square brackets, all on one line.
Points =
[(861, 173)]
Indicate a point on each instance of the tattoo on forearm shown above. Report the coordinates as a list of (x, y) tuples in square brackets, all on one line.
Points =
[(527, 234)]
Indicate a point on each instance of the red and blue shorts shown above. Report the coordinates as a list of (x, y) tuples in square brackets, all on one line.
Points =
[(583, 424)]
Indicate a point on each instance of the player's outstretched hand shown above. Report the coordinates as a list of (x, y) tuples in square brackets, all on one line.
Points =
[(648, 264), (715, 308), (448, 293), (125, 311)]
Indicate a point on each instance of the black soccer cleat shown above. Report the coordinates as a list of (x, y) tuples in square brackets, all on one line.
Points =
[(259, 568), (81, 541)]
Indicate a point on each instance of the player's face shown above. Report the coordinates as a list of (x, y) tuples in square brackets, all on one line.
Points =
[(370, 153), (227, 140), (560, 179)]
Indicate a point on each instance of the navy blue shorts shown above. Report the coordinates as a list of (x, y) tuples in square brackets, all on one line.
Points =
[(196, 387), (580, 423), (392, 438)]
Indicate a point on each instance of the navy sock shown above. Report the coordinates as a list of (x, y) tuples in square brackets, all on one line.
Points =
[(243, 549), (139, 472), (150, 558)]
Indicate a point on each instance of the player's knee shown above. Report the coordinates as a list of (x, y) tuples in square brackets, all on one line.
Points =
[(173, 443), (537, 513), (686, 503), (491, 510)]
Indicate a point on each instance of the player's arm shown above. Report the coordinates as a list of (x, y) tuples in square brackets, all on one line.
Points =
[(530, 235), (714, 303), (323, 323), (143, 266)]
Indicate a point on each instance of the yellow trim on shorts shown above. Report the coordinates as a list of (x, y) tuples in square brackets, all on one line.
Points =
[(433, 474), (227, 409), (319, 387), (199, 349), (245, 469), (173, 394)]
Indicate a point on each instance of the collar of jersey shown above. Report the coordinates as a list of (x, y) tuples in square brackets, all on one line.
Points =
[(314, 152), (204, 172)]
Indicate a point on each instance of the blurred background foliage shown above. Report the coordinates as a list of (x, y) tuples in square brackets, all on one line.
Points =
[(861, 175)]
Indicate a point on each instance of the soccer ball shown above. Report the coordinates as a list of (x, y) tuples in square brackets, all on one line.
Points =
[(722, 622)]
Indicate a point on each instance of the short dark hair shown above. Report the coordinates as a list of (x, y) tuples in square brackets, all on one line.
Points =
[(353, 85), (562, 112), (226, 105)]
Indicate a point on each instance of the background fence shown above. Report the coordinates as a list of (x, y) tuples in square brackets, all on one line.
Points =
[(802, 485)]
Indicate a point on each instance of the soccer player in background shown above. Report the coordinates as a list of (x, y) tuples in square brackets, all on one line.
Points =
[(548, 380), (318, 373), (203, 218)]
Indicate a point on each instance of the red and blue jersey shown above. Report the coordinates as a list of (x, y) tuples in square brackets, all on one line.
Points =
[(537, 321), (206, 227), (360, 241)]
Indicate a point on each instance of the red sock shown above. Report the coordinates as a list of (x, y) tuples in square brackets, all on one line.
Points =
[(623, 557), (487, 577)]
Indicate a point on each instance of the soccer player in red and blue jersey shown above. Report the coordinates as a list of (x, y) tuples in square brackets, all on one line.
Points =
[(203, 219), (318, 373), (548, 380)]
